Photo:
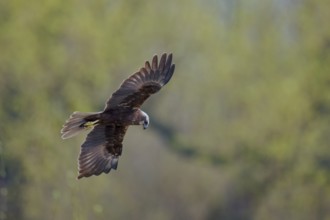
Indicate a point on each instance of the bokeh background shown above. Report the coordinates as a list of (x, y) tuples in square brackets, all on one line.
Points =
[(242, 130)]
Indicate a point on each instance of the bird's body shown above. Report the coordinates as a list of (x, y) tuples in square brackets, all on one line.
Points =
[(103, 145), (126, 117)]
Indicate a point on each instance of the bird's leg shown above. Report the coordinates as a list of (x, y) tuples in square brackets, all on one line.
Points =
[(90, 124)]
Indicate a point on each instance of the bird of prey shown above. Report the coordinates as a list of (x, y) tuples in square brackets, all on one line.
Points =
[(103, 145)]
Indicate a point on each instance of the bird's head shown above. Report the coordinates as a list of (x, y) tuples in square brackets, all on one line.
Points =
[(145, 120)]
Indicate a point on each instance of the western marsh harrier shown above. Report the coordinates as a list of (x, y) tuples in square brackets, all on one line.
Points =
[(103, 145)]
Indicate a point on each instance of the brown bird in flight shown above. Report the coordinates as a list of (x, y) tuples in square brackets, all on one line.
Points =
[(103, 145)]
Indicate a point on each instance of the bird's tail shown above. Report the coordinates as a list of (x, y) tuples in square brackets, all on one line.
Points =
[(79, 121)]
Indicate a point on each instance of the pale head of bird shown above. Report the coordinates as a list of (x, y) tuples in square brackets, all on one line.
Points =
[(145, 120)]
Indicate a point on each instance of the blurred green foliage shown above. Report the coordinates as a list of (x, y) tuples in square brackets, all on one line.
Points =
[(242, 131)]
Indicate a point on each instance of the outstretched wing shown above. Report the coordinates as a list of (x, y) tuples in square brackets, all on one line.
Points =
[(139, 86), (101, 149)]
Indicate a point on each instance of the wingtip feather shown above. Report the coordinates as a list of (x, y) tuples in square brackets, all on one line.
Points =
[(154, 62), (162, 62)]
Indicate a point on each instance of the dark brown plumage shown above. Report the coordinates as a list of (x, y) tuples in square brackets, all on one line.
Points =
[(103, 145)]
